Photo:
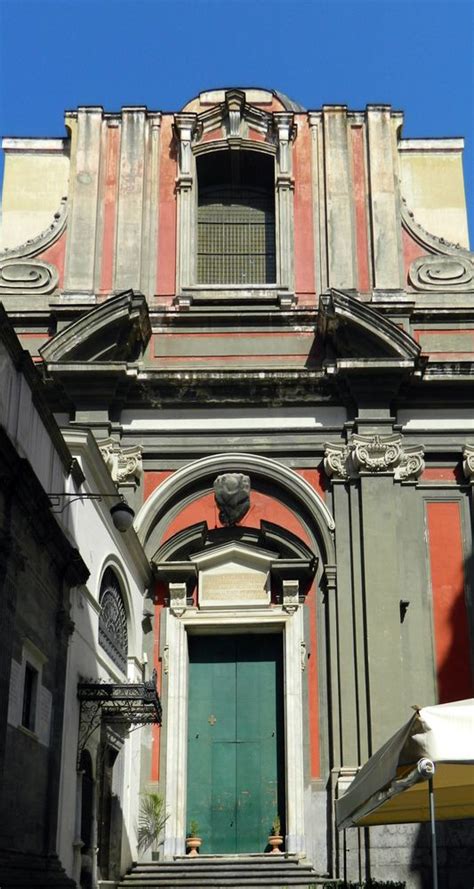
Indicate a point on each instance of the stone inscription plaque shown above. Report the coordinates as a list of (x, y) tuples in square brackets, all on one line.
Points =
[(234, 587)]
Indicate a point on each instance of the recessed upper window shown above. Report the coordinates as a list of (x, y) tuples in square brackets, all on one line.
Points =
[(30, 694), (113, 635), (236, 218)]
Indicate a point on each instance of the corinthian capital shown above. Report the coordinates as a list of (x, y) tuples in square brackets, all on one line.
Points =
[(375, 454)]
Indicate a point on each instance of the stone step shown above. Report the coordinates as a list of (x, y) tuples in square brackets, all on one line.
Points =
[(217, 882), (221, 866), (225, 872)]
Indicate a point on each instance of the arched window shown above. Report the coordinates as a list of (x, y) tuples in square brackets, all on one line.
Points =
[(236, 218), (113, 635)]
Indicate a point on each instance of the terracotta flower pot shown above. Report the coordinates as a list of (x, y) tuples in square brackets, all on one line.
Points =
[(193, 844), (275, 842)]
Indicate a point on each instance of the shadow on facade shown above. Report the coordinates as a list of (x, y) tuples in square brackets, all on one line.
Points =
[(455, 839)]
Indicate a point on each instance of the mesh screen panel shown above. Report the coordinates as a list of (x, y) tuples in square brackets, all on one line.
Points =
[(236, 238)]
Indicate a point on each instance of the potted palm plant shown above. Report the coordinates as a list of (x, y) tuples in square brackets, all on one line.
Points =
[(275, 840), (152, 817), (193, 841)]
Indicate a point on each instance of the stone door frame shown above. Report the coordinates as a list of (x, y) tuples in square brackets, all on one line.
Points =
[(175, 780)]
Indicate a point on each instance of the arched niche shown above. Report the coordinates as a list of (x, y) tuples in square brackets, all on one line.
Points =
[(269, 476)]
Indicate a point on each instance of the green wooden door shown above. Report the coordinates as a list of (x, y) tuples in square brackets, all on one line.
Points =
[(235, 740)]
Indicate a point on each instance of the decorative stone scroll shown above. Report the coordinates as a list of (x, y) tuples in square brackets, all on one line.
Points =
[(374, 454), (123, 463), (27, 275), (468, 461), (442, 273)]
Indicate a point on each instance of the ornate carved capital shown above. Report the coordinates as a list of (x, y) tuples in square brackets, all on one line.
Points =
[(374, 454), (468, 461), (124, 464), (412, 463), (337, 461)]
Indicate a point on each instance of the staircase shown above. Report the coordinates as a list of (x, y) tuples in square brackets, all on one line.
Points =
[(219, 872)]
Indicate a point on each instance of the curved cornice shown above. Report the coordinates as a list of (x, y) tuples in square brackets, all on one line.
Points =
[(269, 536), (337, 307), (45, 239), (204, 470), (431, 243), (116, 330)]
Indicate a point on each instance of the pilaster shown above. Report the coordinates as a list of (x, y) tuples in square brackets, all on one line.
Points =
[(347, 660), (84, 195), (317, 179), (384, 202), (369, 629), (130, 200), (284, 128), (340, 236), (151, 206), (185, 127)]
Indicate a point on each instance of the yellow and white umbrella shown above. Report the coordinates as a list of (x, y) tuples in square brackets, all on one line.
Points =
[(435, 746)]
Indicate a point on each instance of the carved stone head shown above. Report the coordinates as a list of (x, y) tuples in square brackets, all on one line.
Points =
[(232, 493)]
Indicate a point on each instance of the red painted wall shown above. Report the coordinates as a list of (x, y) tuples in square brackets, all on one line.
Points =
[(411, 251), (166, 272), (360, 202), (452, 648), (56, 255), (303, 209), (110, 208)]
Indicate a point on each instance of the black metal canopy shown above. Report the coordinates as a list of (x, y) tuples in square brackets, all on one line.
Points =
[(126, 704)]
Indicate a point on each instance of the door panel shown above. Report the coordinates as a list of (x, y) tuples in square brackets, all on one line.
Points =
[(235, 740)]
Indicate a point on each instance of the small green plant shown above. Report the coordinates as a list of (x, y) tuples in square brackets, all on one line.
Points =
[(276, 826), (152, 817), (193, 828)]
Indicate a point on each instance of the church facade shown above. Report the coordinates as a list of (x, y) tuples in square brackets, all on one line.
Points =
[(255, 322)]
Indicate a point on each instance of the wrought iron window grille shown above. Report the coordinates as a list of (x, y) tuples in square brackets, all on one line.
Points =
[(120, 704), (113, 635)]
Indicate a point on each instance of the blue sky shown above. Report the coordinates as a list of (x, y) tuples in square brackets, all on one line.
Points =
[(417, 55)]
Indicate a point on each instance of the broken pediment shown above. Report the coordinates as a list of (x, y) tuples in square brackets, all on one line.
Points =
[(116, 330), (356, 330)]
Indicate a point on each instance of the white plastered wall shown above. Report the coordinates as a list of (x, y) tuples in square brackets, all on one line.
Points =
[(101, 546), (432, 183)]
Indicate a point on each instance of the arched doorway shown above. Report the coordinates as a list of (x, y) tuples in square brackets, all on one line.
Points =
[(232, 603)]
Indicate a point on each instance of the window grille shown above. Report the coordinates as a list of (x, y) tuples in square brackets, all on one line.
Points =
[(236, 219), (113, 636)]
